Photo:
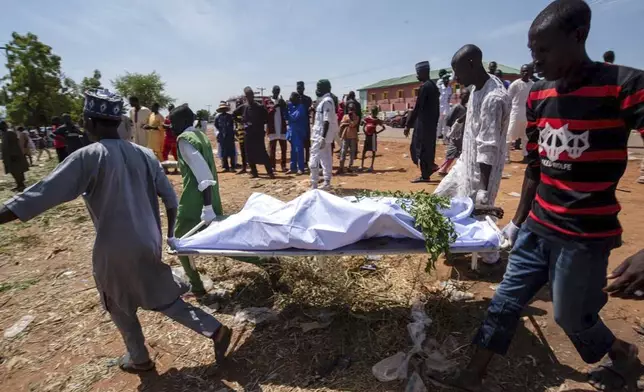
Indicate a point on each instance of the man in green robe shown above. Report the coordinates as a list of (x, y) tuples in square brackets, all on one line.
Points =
[(200, 200)]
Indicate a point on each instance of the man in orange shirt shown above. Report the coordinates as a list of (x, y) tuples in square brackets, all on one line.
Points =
[(156, 132)]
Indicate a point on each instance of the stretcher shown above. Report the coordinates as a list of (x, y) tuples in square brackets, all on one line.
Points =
[(366, 247)]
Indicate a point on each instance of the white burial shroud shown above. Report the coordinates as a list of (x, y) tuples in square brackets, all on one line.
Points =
[(317, 220)]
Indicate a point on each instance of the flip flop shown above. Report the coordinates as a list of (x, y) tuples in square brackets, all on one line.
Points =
[(419, 180), (125, 364), (610, 376), (221, 346)]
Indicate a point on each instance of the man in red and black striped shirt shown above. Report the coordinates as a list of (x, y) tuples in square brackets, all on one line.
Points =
[(579, 120)]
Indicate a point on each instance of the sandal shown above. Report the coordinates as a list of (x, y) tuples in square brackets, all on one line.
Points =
[(612, 375), (221, 344), (125, 364)]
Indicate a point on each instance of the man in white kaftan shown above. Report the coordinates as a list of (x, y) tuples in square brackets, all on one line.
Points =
[(445, 96), (484, 136), (139, 116), (518, 92)]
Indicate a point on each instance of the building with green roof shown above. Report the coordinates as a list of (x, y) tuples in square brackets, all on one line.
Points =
[(399, 94)]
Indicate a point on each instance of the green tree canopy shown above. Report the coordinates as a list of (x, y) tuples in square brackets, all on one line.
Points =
[(35, 87), (92, 82), (203, 114), (149, 88)]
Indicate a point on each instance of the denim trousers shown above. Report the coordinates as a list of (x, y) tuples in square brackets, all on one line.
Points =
[(577, 275)]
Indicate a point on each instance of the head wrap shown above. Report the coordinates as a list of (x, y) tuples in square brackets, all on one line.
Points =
[(422, 66), (101, 103), (181, 117)]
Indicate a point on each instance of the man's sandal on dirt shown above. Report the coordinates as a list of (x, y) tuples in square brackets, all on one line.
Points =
[(221, 343), (616, 376), (126, 365)]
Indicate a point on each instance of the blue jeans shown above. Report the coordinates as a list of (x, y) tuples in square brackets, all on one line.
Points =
[(577, 274)]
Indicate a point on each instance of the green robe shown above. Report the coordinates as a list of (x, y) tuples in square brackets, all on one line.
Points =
[(191, 201)]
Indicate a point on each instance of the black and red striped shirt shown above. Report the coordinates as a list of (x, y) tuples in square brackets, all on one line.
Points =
[(577, 146)]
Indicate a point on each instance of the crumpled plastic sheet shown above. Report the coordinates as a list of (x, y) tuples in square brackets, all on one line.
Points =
[(254, 315), (395, 367)]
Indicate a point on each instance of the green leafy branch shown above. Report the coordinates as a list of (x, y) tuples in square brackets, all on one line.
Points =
[(425, 209)]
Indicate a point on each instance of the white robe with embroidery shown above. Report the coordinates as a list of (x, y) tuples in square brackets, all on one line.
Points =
[(484, 141)]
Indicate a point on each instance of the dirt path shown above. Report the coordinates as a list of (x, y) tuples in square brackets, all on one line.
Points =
[(70, 346)]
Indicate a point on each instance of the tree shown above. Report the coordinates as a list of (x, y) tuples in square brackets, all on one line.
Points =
[(203, 114), (34, 89), (147, 87), (92, 82)]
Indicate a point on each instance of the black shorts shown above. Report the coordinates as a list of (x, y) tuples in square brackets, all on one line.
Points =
[(370, 143)]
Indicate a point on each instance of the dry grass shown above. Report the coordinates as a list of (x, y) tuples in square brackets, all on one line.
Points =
[(358, 317)]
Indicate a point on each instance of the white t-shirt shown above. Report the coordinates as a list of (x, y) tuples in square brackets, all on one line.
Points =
[(325, 111), (518, 92)]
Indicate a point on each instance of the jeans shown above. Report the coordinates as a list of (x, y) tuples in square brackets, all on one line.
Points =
[(577, 274), (349, 146)]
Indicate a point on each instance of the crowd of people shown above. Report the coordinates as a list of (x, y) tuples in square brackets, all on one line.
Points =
[(574, 123)]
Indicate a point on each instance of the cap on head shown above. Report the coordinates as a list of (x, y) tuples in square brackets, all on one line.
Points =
[(422, 66), (103, 104), (300, 84)]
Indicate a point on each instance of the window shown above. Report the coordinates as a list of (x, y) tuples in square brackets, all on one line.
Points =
[(401, 94), (372, 97), (416, 92), (385, 95)]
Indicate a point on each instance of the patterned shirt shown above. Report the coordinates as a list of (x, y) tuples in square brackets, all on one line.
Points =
[(577, 145)]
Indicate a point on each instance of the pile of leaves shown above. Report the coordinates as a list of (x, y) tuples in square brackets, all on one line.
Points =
[(425, 208)]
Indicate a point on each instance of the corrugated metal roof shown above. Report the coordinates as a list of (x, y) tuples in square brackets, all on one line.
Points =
[(411, 79)]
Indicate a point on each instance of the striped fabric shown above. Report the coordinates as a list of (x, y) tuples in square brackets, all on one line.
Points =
[(577, 146)]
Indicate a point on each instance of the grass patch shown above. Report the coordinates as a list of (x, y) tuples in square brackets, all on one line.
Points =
[(22, 285)]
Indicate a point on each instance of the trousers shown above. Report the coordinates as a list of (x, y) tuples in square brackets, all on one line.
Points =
[(320, 156), (242, 151), (349, 146), (170, 147), (577, 274), (185, 314), (297, 155), (273, 152)]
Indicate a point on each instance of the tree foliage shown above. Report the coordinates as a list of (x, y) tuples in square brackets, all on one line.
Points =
[(92, 82), (35, 88), (149, 88), (426, 208), (203, 114)]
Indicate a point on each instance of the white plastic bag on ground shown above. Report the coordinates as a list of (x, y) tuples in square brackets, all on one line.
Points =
[(254, 315), (395, 366), (415, 384), (19, 326)]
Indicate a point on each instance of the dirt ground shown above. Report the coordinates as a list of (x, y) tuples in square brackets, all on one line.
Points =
[(359, 317)]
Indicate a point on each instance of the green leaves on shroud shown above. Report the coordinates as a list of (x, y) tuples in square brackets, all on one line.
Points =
[(425, 209)]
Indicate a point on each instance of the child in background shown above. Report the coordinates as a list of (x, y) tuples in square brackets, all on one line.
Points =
[(371, 122), (454, 137), (349, 135)]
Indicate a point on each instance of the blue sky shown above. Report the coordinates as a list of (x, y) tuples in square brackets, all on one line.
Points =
[(206, 51)]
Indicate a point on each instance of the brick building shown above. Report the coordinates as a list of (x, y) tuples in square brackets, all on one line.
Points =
[(399, 94)]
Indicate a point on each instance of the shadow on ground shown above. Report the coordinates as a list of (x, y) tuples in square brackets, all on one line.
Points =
[(340, 356)]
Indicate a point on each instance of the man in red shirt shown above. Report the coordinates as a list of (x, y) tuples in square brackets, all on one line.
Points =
[(59, 140), (169, 140), (579, 120)]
